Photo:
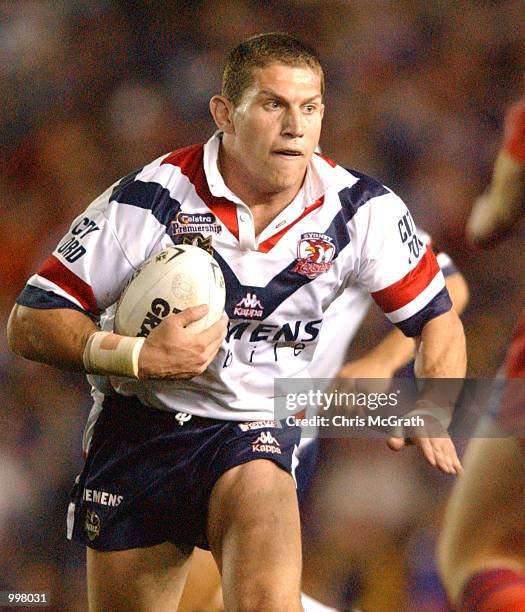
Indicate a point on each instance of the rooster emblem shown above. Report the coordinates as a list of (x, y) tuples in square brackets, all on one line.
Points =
[(315, 253)]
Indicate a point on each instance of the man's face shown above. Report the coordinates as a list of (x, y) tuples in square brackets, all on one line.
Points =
[(277, 125)]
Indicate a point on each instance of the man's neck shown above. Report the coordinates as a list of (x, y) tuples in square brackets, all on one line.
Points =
[(254, 197)]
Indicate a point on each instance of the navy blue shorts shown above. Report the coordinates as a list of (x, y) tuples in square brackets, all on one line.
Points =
[(308, 456), (149, 474)]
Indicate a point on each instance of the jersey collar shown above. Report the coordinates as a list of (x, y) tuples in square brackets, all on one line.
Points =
[(314, 187)]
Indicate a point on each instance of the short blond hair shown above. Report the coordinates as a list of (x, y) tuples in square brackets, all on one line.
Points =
[(260, 51)]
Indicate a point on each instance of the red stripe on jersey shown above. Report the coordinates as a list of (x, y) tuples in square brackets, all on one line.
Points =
[(327, 160), (190, 161), (410, 286), (56, 272), (268, 244)]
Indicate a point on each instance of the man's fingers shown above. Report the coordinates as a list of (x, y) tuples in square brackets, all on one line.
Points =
[(428, 451), (450, 460), (444, 454), (216, 332), (189, 315)]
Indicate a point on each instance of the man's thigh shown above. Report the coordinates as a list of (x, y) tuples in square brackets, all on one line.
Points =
[(141, 579), (254, 534)]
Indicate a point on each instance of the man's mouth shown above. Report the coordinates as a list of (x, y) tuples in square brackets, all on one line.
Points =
[(288, 152)]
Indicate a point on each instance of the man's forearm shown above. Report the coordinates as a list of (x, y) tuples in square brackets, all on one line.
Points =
[(67, 339), (441, 354), (441, 351), (56, 337)]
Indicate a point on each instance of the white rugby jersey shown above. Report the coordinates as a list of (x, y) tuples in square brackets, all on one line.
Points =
[(343, 228)]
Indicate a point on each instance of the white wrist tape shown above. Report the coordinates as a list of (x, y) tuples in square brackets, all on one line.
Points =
[(428, 408), (107, 353)]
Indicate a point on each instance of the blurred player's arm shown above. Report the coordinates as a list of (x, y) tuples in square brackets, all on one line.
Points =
[(495, 211), (396, 349), (61, 337)]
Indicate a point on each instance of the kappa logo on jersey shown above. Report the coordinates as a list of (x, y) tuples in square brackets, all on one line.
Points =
[(249, 307), (407, 232), (315, 253), (92, 525), (187, 223), (266, 443), (250, 425)]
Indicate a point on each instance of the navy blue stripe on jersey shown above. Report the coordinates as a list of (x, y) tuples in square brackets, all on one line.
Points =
[(439, 304), (352, 198), (124, 182), (272, 295), (150, 196), (34, 297)]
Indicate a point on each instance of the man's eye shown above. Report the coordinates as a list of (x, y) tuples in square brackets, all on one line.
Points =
[(273, 104)]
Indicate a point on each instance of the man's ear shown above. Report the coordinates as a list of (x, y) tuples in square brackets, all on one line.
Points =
[(221, 110)]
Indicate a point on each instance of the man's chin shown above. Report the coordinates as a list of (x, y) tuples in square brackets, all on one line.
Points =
[(285, 181)]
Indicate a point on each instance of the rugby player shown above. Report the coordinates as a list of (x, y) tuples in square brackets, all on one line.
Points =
[(482, 545), (181, 445)]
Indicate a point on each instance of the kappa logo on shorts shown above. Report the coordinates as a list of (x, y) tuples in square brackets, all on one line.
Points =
[(315, 253), (182, 417), (266, 443), (92, 525), (249, 425)]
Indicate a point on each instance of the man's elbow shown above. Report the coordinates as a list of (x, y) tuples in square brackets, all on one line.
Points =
[(459, 291), (17, 331)]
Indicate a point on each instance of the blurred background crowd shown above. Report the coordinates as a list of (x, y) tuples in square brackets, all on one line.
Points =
[(416, 93)]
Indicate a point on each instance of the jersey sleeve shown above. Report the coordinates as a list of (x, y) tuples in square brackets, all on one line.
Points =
[(445, 262), (104, 245), (396, 266)]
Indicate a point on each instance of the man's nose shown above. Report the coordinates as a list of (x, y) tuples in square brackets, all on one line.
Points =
[(293, 123)]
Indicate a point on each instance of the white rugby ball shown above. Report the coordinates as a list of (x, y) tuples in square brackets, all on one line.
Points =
[(168, 282)]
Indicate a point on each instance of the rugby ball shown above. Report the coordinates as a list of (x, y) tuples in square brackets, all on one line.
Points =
[(168, 282)]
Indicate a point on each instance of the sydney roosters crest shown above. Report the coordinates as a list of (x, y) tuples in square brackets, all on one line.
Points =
[(315, 253)]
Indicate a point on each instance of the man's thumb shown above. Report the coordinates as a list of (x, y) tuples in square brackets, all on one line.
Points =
[(189, 315), (396, 444)]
